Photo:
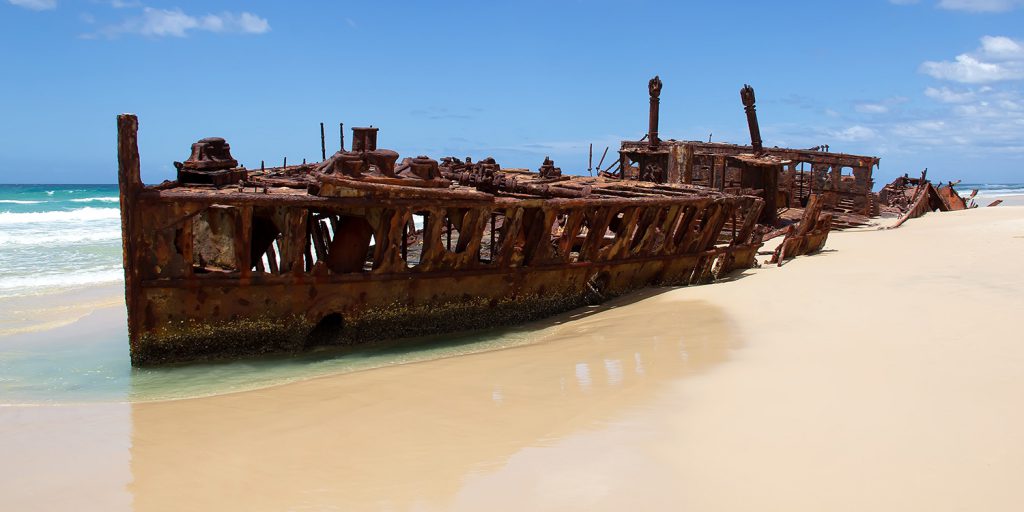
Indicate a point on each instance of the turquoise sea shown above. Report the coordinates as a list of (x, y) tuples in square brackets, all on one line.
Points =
[(58, 237), (987, 192)]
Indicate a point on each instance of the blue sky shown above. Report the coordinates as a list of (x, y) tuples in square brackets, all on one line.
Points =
[(928, 83)]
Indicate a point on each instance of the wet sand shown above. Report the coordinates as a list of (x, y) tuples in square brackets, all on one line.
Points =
[(53, 310), (881, 374)]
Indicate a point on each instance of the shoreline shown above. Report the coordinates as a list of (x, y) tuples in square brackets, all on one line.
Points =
[(1007, 200), (104, 328), (879, 374), (24, 314), (104, 304)]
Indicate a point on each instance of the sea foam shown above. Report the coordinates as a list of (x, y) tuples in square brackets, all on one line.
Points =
[(50, 238), (1007, 192), (95, 199), (62, 280), (77, 215)]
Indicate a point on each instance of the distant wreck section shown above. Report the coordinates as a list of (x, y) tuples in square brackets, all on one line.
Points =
[(786, 179), (228, 261)]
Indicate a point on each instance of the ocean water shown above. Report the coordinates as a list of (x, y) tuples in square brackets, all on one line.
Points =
[(58, 237), (987, 192)]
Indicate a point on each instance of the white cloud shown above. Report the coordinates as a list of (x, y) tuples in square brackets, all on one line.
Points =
[(969, 70), (1011, 105), (175, 23), (980, 5), (160, 22), (979, 122), (252, 24), (855, 133), (947, 95), (35, 5), (999, 58), (871, 108), (919, 129), (888, 105), (1001, 48), (969, 5)]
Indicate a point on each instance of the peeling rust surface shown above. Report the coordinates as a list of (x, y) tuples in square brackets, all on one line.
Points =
[(228, 262), (210, 162), (806, 237), (361, 247)]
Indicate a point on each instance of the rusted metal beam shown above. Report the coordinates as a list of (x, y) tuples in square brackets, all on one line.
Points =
[(806, 237), (129, 185)]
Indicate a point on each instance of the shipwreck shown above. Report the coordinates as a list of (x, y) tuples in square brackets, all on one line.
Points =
[(227, 261)]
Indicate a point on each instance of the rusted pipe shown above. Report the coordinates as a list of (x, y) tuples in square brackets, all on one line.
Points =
[(654, 88), (747, 96)]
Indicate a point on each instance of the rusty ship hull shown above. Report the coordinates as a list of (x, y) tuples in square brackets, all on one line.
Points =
[(354, 249)]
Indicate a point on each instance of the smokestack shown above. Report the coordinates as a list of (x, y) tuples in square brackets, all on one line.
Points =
[(654, 87), (747, 95)]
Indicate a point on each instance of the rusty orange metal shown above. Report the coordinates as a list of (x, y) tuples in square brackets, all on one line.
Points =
[(361, 247)]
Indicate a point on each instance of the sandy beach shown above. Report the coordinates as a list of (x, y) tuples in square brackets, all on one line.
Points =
[(880, 374)]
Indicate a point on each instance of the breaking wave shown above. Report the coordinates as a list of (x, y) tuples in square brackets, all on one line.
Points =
[(86, 214), (992, 188), (95, 199), (1000, 192), (60, 280), (56, 238)]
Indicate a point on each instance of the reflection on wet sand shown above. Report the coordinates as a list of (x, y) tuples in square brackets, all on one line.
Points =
[(408, 436)]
